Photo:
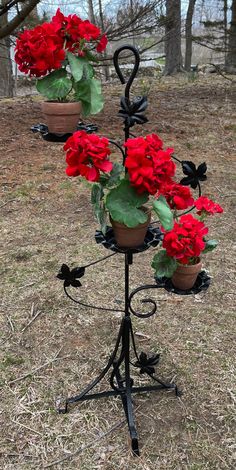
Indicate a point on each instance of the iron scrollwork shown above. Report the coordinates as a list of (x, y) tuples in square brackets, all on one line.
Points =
[(71, 278), (143, 301)]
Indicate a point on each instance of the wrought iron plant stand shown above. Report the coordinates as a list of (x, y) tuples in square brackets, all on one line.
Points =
[(120, 361)]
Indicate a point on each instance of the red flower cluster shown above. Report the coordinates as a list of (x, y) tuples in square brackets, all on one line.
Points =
[(206, 206), (87, 155), (40, 50), (72, 29), (178, 196), (101, 46), (186, 239), (149, 166)]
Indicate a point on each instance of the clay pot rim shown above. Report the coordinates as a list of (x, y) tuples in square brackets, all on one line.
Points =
[(189, 267), (54, 108), (60, 102)]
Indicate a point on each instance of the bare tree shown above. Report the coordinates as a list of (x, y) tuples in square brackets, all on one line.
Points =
[(18, 10), (188, 35), (231, 56), (134, 18), (218, 37), (91, 12), (6, 80), (174, 61), (22, 9), (101, 18)]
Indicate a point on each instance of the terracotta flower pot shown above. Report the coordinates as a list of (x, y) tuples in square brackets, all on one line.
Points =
[(61, 118), (185, 275), (127, 237)]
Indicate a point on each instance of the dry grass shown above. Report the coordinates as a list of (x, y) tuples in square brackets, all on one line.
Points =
[(46, 219)]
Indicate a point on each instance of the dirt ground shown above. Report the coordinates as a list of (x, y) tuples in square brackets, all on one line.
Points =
[(51, 348)]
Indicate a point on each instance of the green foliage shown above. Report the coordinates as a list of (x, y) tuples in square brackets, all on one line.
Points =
[(89, 92), (164, 213), (123, 203), (102, 218), (98, 206), (55, 86), (79, 67), (76, 66), (210, 246), (91, 56), (109, 180), (96, 194), (163, 264)]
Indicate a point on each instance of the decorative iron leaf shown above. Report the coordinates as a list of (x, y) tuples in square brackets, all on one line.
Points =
[(146, 363), (194, 175), (132, 112), (70, 277)]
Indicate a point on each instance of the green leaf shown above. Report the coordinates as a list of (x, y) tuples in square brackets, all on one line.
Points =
[(88, 70), (101, 218), (96, 194), (210, 246), (163, 212), (90, 94), (164, 265), (91, 56), (77, 65), (56, 85), (123, 204), (111, 179), (98, 207)]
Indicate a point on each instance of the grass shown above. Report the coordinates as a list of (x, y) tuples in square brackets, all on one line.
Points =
[(48, 220)]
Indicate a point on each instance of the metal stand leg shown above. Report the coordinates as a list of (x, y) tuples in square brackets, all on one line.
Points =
[(120, 380)]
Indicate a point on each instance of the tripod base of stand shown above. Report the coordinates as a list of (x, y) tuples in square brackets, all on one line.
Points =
[(120, 380)]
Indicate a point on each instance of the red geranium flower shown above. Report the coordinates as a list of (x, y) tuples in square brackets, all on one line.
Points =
[(87, 155), (40, 50), (148, 164), (74, 30), (59, 21), (186, 239), (178, 196), (207, 206), (164, 166), (89, 31), (154, 143), (102, 43)]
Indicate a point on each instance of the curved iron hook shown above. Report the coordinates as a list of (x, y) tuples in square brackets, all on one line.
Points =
[(135, 51), (143, 301)]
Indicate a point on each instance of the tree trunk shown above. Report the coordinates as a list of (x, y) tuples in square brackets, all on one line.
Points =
[(174, 61), (188, 35), (132, 20), (231, 56), (225, 9), (6, 80), (106, 67), (91, 12), (7, 28)]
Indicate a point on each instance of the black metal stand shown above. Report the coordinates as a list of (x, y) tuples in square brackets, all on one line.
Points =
[(42, 129), (121, 382), (120, 362)]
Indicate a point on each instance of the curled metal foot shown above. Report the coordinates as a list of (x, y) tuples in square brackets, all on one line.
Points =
[(178, 392), (135, 447), (61, 405)]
